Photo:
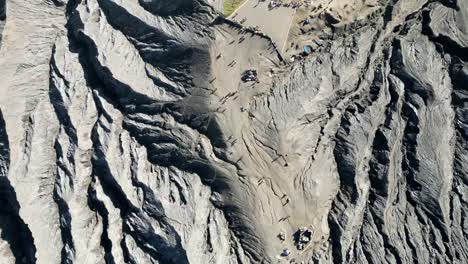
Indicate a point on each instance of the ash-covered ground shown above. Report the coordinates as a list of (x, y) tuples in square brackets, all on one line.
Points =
[(157, 131)]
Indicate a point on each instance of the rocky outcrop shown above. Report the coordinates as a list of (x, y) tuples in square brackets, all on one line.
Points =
[(127, 136)]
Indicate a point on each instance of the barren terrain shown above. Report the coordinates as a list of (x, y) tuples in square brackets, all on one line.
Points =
[(129, 132)]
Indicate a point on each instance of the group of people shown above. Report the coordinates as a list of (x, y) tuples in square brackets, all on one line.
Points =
[(249, 76), (277, 3), (302, 238)]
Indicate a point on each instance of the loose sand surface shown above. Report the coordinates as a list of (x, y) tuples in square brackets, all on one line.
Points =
[(273, 22)]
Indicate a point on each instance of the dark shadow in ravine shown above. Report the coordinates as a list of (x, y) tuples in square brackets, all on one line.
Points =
[(13, 229)]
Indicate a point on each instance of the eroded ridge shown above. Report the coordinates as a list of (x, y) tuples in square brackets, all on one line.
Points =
[(162, 132)]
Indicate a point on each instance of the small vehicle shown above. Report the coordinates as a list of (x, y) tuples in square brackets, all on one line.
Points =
[(249, 76)]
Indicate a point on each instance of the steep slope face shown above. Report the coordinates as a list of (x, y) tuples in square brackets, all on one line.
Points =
[(2, 17), (128, 136)]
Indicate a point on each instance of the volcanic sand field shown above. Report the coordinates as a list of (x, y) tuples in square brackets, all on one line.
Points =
[(273, 22)]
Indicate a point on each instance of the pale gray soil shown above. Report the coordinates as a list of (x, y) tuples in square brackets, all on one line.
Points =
[(274, 22)]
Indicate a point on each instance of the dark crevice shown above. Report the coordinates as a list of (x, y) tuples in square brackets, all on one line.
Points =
[(2, 11), (98, 206), (2, 18), (128, 258), (68, 249), (13, 229), (365, 247), (146, 238), (447, 44), (415, 257), (57, 100)]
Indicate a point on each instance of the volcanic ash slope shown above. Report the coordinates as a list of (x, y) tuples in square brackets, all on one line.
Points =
[(128, 136)]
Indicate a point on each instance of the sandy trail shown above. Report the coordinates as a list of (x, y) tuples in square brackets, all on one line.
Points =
[(273, 22)]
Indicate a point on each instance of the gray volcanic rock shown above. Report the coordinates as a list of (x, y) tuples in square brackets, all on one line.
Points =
[(2, 18), (127, 136)]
